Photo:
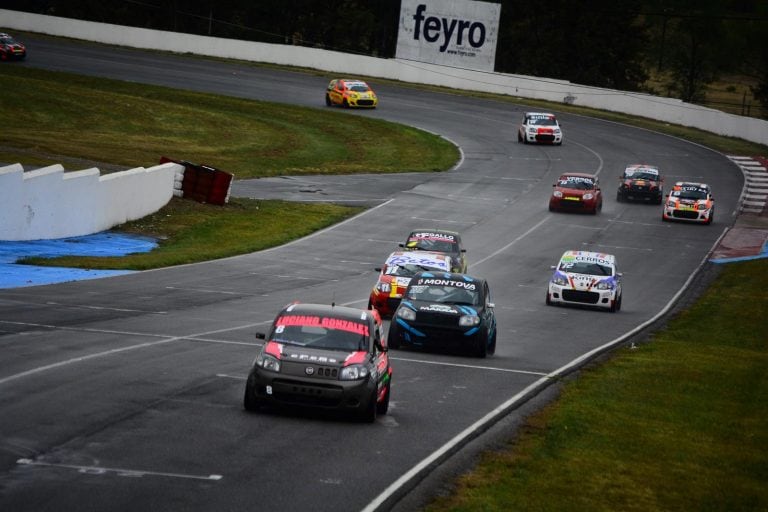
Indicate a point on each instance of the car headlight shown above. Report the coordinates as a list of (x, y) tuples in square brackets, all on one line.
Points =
[(587, 197), (354, 372), (531, 129), (605, 285), (671, 204), (557, 193), (559, 280), (406, 314), (353, 95), (268, 362), (469, 320), (384, 287), (557, 131)]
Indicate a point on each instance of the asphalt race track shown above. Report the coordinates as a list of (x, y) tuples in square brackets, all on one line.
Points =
[(125, 393)]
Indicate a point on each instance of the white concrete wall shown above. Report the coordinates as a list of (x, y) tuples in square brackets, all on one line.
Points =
[(663, 109), (49, 203)]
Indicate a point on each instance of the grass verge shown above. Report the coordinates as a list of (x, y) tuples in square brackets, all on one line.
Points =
[(191, 232), (680, 423)]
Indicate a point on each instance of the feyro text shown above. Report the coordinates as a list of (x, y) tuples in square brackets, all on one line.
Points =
[(434, 27)]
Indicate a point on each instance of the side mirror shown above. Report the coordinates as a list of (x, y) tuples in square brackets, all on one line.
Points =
[(377, 269), (261, 336), (401, 245), (552, 267), (463, 250)]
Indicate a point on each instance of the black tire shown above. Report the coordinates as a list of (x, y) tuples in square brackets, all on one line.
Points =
[(548, 300), (371, 408), (250, 402), (328, 101), (481, 344), (345, 103), (393, 338), (492, 346), (619, 197), (519, 137), (383, 406), (618, 305), (711, 218)]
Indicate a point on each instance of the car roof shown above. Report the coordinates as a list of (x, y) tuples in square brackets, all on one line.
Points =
[(435, 231), (692, 184), (605, 258), (328, 310), (579, 175), (642, 166), (548, 114)]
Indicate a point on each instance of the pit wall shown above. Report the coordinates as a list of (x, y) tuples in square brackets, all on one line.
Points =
[(48, 203), (663, 109)]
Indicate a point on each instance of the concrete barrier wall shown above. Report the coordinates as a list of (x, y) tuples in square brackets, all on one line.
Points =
[(654, 107), (49, 203)]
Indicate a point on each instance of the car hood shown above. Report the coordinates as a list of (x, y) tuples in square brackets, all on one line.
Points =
[(584, 282), (421, 306)]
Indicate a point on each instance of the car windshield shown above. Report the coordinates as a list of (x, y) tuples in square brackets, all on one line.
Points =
[(7, 40), (444, 294), (585, 267), (358, 88), (436, 245), (542, 121), (690, 193), (576, 182), (641, 175), (321, 333), (409, 269)]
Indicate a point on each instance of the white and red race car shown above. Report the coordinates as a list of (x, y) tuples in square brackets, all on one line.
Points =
[(540, 127)]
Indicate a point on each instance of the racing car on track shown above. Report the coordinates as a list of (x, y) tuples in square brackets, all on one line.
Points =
[(322, 356), (541, 127), (397, 272), (641, 181), (350, 93), (442, 310), (586, 278), (438, 240), (10, 48), (691, 202), (575, 191)]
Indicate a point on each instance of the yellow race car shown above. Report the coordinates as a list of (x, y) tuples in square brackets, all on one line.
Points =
[(350, 93)]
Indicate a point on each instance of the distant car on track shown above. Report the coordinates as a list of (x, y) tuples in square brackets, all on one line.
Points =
[(325, 357), (443, 310), (576, 192), (691, 202), (438, 240), (350, 93), (397, 272), (642, 182), (10, 48), (540, 127), (586, 278)]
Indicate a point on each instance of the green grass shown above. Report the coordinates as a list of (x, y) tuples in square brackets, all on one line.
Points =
[(679, 423), (190, 232), (60, 118)]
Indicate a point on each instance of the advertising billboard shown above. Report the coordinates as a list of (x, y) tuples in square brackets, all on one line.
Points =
[(459, 33)]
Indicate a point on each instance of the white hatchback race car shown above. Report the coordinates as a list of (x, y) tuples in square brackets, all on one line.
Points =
[(540, 127), (586, 279)]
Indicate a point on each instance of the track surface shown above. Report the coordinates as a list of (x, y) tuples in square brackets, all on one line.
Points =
[(125, 393)]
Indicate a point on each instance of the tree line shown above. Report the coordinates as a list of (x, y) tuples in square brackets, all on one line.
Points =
[(685, 45)]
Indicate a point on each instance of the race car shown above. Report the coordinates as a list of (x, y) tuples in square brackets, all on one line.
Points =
[(442, 310), (587, 279), (691, 202), (11, 48), (540, 127), (641, 181), (397, 272), (350, 93), (325, 357), (575, 191), (438, 240)]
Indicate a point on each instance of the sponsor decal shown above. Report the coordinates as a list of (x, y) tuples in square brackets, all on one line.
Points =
[(575, 179), (449, 32), (438, 308), (434, 236), (433, 281), (316, 321), (312, 358)]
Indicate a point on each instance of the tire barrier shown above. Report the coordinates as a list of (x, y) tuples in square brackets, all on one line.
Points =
[(201, 183)]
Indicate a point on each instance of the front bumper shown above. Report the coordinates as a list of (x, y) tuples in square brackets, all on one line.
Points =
[(567, 295), (702, 216), (635, 192), (288, 388), (434, 335), (571, 204), (543, 138)]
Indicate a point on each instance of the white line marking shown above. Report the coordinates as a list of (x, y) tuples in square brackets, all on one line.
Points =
[(470, 366), (284, 276), (98, 470), (95, 355), (204, 290), (444, 221), (647, 249), (513, 242), (124, 310)]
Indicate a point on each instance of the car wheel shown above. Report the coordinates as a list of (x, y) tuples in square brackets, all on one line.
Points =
[(618, 305), (492, 346), (615, 305), (519, 137), (481, 344), (250, 402), (371, 408), (549, 301), (551, 208), (711, 218), (619, 197), (383, 406), (393, 339), (328, 101), (345, 103), (659, 200)]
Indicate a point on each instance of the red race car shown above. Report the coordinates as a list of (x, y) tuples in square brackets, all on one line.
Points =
[(11, 48), (576, 192)]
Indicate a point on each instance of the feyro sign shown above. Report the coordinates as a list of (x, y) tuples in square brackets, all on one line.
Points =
[(459, 33)]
